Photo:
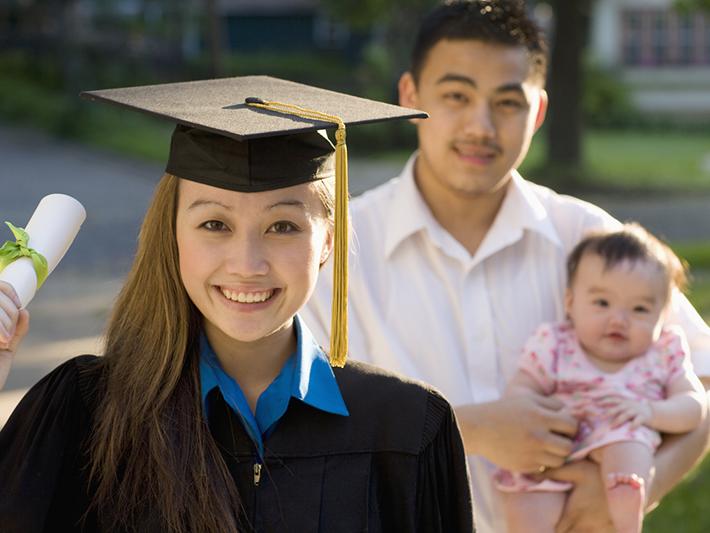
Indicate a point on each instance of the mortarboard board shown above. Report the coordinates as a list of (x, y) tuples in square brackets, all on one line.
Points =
[(273, 149), (258, 133)]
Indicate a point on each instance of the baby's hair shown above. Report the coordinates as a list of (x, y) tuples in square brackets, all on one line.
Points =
[(631, 243)]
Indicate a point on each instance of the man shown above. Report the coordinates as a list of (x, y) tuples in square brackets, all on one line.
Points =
[(459, 259)]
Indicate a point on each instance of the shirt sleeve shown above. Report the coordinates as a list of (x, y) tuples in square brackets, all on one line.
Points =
[(539, 357), (444, 500), (697, 332), (40, 450), (674, 353)]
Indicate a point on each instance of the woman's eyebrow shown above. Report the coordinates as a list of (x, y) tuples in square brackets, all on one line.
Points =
[(291, 203), (203, 202)]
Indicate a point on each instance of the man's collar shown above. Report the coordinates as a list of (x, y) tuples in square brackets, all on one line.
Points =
[(521, 210), (408, 213)]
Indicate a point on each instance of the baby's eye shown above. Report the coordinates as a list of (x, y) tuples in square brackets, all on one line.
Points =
[(214, 225), (283, 226), (601, 302), (641, 309)]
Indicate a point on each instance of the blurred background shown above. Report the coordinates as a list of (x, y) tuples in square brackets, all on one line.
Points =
[(628, 128)]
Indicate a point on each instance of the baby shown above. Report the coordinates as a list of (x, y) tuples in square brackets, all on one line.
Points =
[(623, 374)]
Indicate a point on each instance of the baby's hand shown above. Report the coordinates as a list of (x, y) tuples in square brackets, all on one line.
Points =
[(622, 410)]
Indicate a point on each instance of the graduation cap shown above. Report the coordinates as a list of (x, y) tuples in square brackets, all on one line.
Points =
[(258, 133)]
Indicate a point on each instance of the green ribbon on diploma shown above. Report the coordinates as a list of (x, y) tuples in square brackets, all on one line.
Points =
[(12, 251)]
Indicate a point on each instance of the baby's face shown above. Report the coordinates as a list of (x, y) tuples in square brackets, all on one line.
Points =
[(618, 312)]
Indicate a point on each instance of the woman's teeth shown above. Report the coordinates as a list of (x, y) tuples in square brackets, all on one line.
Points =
[(247, 297)]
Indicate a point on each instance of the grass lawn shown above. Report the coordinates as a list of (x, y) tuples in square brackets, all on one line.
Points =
[(639, 159), (634, 159)]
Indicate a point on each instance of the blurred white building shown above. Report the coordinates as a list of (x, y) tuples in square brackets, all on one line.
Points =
[(663, 56)]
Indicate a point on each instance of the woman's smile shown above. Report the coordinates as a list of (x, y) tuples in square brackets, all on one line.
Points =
[(248, 299)]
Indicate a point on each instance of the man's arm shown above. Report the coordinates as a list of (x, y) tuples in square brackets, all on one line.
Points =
[(677, 455), (586, 508)]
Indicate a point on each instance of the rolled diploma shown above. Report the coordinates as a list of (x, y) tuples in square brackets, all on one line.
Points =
[(51, 230)]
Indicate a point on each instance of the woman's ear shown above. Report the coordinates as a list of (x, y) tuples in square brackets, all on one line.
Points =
[(327, 246)]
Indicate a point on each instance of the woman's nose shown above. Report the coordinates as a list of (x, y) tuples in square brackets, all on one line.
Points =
[(246, 257)]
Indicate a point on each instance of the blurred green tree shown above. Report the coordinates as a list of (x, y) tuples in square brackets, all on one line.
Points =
[(392, 23), (565, 85), (693, 4)]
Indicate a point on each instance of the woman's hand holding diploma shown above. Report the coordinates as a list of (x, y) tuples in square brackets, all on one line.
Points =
[(26, 262), (14, 324)]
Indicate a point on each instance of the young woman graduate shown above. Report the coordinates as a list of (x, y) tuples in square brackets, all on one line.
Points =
[(212, 408)]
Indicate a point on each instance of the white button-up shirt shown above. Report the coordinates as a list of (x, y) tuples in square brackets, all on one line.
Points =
[(422, 305)]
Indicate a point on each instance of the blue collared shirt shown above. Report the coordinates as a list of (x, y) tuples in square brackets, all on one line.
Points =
[(306, 376)]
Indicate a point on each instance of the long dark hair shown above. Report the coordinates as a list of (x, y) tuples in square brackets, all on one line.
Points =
[(151, 450)]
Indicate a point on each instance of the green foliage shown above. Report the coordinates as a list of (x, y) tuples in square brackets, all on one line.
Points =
[(357, 13), (317, 69), (699, 295), (21, 100), (364, 14), (606, 102), (25, 99), (691, 5), (696, 254)]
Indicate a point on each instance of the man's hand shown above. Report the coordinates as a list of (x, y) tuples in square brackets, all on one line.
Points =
[(520, 432), (586, 509), (14, 324)]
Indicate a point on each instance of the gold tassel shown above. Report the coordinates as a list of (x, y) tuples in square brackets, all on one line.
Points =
[(339, 317)]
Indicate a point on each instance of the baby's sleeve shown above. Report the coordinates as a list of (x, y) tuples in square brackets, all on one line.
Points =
[(539, 357), (675, 353)]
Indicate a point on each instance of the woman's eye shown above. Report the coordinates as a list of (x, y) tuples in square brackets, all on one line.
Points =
[(283, 227), (214, 225)]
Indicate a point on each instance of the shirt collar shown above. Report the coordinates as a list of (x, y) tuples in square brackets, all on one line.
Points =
[(312, 381), (408, 212), (521, 210)]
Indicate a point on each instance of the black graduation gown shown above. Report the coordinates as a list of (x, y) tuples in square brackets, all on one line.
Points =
[(396, 464)]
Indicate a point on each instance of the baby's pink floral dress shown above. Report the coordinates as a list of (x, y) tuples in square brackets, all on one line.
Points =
[(554, 358)]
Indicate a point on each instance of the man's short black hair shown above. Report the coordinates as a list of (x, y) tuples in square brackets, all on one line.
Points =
[(504, 22)]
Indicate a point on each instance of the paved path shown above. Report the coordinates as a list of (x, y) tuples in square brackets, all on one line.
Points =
[(69, 313)]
